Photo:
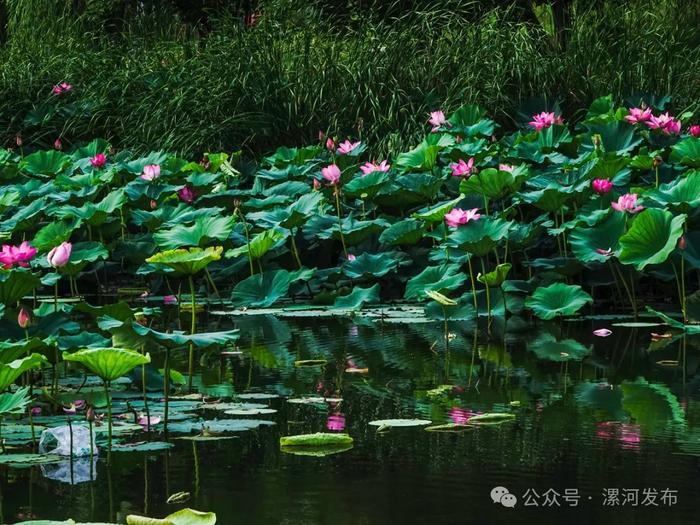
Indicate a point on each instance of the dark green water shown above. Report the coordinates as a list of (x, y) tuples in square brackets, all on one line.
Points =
[(615, 420)]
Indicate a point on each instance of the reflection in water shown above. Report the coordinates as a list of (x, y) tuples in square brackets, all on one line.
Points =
[(73, 472), (590, 412)]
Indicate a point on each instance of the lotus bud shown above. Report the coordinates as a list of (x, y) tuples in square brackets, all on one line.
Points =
[(330, 144), (154, 204), (596, 140), (24, 319), (90, 414), (658, 161), (57, 144), (682, 244), (317, 184), (694, 131), (19, 141), (60, 255)]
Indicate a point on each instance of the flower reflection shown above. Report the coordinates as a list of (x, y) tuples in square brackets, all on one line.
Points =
[(460, 416), (627, 434), (336, 422)]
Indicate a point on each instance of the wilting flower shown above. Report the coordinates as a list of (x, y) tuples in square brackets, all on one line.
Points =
[(627, 203), (331, 173), (544, 120), (63, 87), (346, 147), (336, 422), (57, 144), (60, 255), (506, 167), (437, 119), (98, 161), (695, 130), (638, 115), (462, 168), (369, 167), (602, 332), (458, 216), (666, 123), (602, 186), (186, 194), (151, 172), (169, 299), (24, 319)]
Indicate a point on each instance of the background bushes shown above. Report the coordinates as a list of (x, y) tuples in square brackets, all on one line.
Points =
[(192, 76)]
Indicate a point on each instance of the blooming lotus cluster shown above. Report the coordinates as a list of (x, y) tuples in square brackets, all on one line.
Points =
[(150, 172), (59, 256), (369, 167), (331, 173), (346, 147), (638, 115), (506, 167), (665, 123), (462, 168), (63, 87), (544, 120), (457, 216), (98, 161), (627, 203), (602, 186), (19, 255), (437, 119)]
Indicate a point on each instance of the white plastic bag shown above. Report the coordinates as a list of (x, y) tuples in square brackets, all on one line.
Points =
[(57, 440)]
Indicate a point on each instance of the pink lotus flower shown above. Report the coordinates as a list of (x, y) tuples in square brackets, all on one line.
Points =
[(145, 421), (150, 172), (20, 255), (74, 407), (695, 130), (602, 332), (544, 120), (336, 422), (638, 115), (331, 173), (437, 119), (98, 161), (169, 299), (506, 167), (186, 194), (627, 203), (24, 319), (604, 253), (36, 411), (346, 147), (7, 259), (63, 87), (369, 167), (57, 144), (458, 216), (351, 257), (665, 123), (602, 186), (462, 168), (60, 255), (330, 144)]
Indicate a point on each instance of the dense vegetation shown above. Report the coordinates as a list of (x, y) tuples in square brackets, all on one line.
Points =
[(191, 77)]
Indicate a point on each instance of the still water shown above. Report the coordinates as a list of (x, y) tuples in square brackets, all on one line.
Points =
[(593, 416)]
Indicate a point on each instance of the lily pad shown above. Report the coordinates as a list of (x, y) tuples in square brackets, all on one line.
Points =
[(400, 423)]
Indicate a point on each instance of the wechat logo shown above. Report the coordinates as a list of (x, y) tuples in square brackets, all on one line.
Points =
[(502, 496)]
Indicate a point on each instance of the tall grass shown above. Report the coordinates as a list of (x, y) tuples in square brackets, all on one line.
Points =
[(154, 79)]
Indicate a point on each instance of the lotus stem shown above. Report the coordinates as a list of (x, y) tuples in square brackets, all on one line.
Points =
[(145, 399), (213, 285), (55, 296), (166, 387), (657, 176), (630, 296), (2, 441), (247, 240), (680, 286), (295, 251), (193, 328), (488, 292), (92, 445), (109, 423), (340, 222), (70, 434), (471, 280)]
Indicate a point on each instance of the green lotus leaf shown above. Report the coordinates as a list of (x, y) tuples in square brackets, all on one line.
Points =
[(440, 298), (11, 350), (605, 236), (316, 440), (686, 152), (181, 517), (9, 199), (297, 213), (438, 278), (259, 245), (557, 299), (9, 372), (481, 236), (358, 297), (47, 163), (461, 310), (16, 283), (496, 277), (202, 232), (354, 231), (420, 158), (617, 136), (368, 185), (399, 423), (548, 199), (16, 402), (407, 232), (682, 194), (469, 121), (372, 265), (82, 254), (549, 348), (437, 213), (491, 182), (109, 363), (652, 405), (651, 239), (290, 188), (491, 418), (187, 261), (54, 234), (262, 290)]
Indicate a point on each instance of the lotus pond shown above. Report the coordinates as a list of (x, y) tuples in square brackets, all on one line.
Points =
[(321, 337)]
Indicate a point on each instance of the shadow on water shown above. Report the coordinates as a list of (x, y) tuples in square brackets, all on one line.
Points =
[(592, 416)]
